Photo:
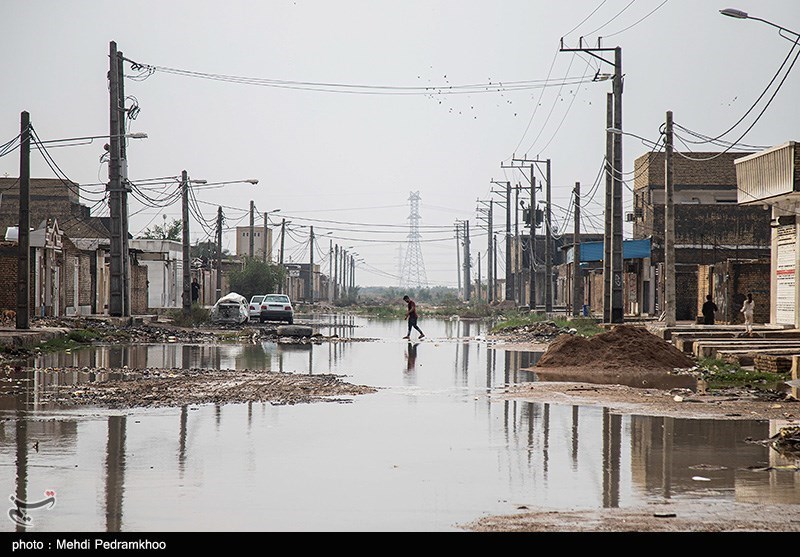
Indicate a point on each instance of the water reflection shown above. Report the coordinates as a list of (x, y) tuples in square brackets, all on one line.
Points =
[(428, 451)]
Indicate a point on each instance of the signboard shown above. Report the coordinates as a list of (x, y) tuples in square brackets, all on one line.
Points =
[(786, 275), (294, 272)]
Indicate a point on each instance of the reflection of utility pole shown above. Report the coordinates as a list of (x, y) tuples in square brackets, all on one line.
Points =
[(617, 311)]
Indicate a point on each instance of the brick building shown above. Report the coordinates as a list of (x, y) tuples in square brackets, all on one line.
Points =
[(79, 274), (711, 229)]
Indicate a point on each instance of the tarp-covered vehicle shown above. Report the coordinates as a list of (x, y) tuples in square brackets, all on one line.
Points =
[(231, 308)]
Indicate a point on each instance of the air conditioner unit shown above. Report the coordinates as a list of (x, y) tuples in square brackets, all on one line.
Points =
[(630, 217)]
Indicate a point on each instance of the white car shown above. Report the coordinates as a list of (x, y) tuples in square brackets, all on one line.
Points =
[(254, 307), (277, 307), (231, 308)]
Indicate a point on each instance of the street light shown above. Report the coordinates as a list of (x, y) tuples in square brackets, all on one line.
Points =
[(739, 14)]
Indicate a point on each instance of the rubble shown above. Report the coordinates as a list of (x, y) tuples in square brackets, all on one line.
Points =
[(538, 332)]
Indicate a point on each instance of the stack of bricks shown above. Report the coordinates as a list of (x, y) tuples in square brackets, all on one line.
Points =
[(772, 363)]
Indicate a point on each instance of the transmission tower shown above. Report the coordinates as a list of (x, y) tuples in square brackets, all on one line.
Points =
[(413, 267)]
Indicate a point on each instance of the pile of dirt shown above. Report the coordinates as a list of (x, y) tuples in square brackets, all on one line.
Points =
[(627, 347)]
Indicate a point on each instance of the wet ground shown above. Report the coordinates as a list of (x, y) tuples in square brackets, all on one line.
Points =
[(431, 449)]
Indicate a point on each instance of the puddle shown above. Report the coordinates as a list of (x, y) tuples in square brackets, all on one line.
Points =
[(429, 451)]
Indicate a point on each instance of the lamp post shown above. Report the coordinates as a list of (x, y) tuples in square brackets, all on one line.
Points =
[(739, 14)]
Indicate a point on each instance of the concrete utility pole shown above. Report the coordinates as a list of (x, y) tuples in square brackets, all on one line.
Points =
[(116, 301), (548, 248), (252, 228), (266, 238), (517, 266), (486, 215), (494, 267), (219, 253), (617, 310), (124, 189), (280, 261), (577, 279), (458, 257), (609, 209), (479, 277), (509, 275), (311, 267), (467, 268), (187, 287), (669, 228), (330, 273), (336, 272), (532, 244), (24, 230)]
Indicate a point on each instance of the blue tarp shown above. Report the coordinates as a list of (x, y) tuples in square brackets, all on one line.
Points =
[(593, 251)]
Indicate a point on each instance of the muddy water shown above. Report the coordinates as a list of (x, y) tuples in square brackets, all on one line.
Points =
[(428, 452)]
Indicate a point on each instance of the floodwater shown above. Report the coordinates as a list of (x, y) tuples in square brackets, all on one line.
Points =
[(429, 451)]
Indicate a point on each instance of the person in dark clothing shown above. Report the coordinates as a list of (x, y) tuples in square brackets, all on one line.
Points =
[(411, 316), (709, 309), (195, 291)]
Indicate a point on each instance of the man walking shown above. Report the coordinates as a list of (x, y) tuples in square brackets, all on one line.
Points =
[(411, 317)]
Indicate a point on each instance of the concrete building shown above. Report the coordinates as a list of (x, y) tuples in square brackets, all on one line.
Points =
[(711, 228), (769, 182), (262, 242), (163, 260)]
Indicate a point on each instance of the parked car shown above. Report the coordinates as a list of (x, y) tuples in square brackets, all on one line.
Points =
[(255, 306), (277, 307), (231, 308)]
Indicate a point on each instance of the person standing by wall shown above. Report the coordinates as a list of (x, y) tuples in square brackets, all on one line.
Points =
[(709, 310), (747, 309), (411, 317)]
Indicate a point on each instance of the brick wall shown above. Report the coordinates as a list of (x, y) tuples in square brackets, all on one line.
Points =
[(733, 280), (138, 285), (8, 275)]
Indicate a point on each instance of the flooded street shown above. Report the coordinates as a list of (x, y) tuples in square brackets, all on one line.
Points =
[(430, 451)]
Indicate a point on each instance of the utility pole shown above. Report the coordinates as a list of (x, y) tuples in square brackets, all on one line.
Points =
[(509, 276), (187, 297), (532, 244), (116, 301), (336, 272), (669, 228), (266, 237), (458, 256), (311, 267), (548, 236), (479, 277), (219, 253), (517, 265), (283, 269), (494, 268), (617, 310), (252, 228), (124, 189), (488, 216), (467, 279), (609, 209), (577, 279), (24, 231), (330, 273)]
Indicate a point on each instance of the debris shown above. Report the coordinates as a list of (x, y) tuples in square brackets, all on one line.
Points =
[(701, 479)]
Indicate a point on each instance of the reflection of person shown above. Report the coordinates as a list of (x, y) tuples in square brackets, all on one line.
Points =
[(709, 308), (411, 316), (195, 291), (411, 356), (747, 309)]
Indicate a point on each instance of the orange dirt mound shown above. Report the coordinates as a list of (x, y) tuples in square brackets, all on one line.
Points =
[(624, 346)]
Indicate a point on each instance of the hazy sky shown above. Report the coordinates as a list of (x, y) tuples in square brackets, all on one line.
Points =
[(342, 108)]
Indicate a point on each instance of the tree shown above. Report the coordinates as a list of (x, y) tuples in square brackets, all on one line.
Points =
[(256, 277), (165, 232)]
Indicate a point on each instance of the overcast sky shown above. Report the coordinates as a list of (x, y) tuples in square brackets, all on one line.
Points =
[(342, 108)]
